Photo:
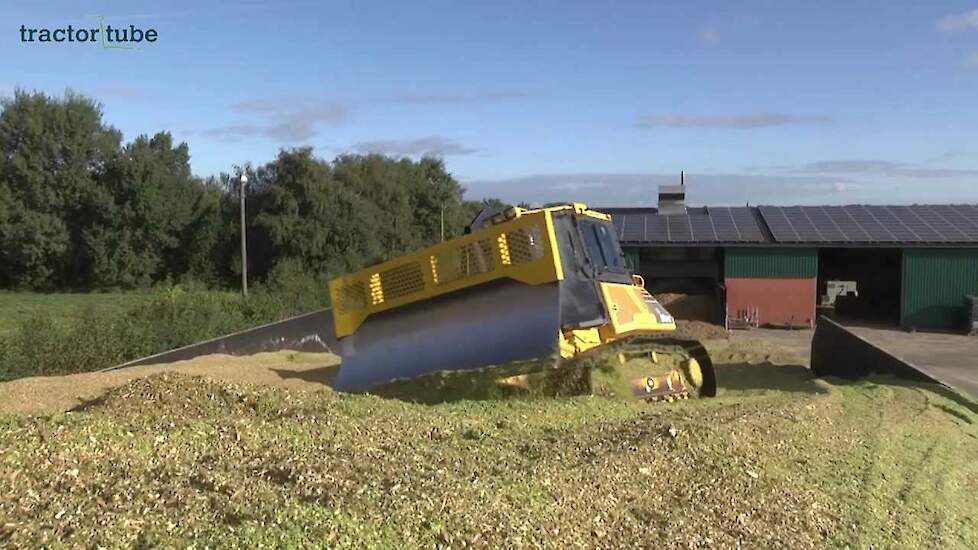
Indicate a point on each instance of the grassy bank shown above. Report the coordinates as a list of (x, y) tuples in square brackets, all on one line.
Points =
[(69, 333), (778, 459), (19, 307)]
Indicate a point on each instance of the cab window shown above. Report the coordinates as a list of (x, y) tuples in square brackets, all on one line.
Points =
[(601, 245)]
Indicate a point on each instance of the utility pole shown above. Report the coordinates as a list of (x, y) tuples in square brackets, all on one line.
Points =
[(243, 180), (442, 223)]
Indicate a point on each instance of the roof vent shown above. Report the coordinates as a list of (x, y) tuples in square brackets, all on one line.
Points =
[(672, 198)]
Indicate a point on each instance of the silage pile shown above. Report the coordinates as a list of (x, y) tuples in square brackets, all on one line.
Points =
[(172, 459)]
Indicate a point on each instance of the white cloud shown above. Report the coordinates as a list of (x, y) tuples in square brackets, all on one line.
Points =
[(721, 189), (708, 34), (971, 60), (488, 97), (882, 167), (286, 119), (142, 16), (418, 147), (958, 22), (120, 91), (575, 186), (736, 121), (640, 189)]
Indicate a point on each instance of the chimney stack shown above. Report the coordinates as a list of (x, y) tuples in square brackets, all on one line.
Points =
[(672, 198)]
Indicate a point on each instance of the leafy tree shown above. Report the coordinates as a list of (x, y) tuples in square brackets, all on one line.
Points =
[(154, 196), (303, 212), (437, 201), (204, 249), (79, 210), (30, 244), (52, 154), (388, 185)]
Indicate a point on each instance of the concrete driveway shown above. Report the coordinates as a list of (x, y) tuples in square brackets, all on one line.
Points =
[(950, 358)]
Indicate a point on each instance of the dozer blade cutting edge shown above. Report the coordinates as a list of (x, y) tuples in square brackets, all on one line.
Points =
[(494, 324)]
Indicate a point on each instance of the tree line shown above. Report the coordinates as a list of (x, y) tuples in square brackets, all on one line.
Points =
[(81, 209)]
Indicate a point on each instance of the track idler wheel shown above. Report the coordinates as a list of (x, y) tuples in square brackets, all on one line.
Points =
[(668, 387), (664, 369)]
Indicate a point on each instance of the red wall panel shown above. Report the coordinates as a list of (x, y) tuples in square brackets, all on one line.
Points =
[(777, 301)]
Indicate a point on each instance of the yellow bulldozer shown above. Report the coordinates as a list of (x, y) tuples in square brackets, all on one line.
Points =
[(526, 296)]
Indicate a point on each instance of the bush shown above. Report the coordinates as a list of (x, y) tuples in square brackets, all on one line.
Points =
[(294, 288), (175, 316), (40, 346)]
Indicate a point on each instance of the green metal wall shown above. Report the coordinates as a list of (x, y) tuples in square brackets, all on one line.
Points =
[(775, 262), (935, 281), (631, 258)]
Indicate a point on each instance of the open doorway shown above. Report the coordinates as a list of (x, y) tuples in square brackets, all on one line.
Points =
[(685, 280), (876, 274)]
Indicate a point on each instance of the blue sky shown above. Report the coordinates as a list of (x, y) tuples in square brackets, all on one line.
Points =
[(760, 102)]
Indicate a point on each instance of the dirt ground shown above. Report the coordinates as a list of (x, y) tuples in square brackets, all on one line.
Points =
[(798, 342), (950, 358), (691, 307), (52, 394), (699, 330)]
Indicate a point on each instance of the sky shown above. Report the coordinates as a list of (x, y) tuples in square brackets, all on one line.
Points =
[(541, 101)]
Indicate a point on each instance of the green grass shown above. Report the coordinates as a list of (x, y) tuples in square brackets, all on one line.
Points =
[(17, 307), (45, 335), (917, 471), (776, 460)]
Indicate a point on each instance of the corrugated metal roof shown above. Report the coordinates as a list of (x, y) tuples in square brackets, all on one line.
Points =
[(698, 225), (918, 224), (936, 224)]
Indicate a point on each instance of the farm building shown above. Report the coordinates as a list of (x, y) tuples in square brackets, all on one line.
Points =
[(910, 266)]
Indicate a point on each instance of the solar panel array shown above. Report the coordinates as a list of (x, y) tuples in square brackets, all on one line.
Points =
[(929, 224), (712, 225)]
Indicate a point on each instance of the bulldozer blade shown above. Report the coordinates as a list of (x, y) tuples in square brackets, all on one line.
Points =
[(495, 325)]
